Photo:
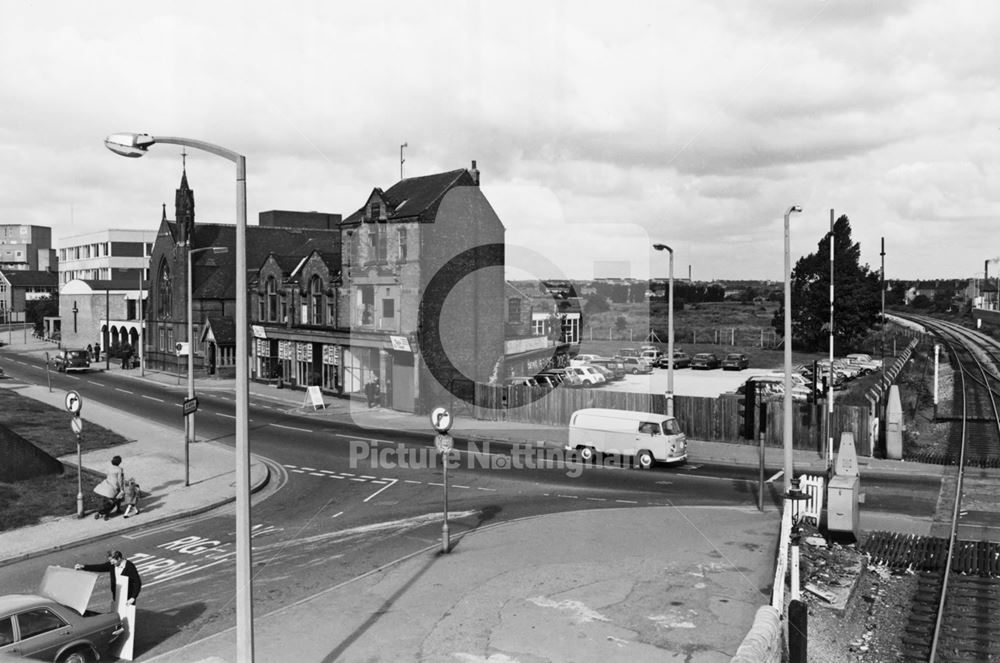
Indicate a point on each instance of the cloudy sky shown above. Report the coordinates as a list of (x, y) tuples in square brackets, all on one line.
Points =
[(598, 127)]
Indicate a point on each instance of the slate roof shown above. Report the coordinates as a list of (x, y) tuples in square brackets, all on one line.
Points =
[(415, 198), (215, 273), (223, 329), (23, 278)]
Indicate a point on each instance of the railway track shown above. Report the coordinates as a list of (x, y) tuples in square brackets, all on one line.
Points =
[(954, 610)]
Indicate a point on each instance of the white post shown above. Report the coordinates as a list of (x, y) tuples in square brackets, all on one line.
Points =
[(787, 429)]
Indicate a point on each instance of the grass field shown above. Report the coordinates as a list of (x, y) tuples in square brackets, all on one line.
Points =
[(30, 501)]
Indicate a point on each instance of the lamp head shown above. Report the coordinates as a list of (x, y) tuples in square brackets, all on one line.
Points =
[(793, 208), (662, 247), (128, 144)]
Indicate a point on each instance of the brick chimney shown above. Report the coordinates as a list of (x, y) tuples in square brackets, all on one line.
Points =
[(474, 172)]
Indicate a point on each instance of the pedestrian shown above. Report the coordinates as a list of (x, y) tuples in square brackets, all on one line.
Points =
[(372, 392), (117, 566), (111, 488), (130, 498), (126, 353), (97, 352), (90, 352)]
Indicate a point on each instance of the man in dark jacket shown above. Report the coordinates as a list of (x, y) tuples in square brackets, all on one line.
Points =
[(117, 565)]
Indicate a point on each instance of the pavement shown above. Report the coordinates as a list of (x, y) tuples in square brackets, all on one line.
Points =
[(658, 583)]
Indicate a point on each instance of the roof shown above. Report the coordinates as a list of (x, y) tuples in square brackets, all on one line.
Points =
[(27, 277), (214, 272), (223, 330), (13, 602), (416, 198)]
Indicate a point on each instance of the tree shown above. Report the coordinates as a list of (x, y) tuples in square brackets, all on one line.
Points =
[(596, 304), (857, 297)]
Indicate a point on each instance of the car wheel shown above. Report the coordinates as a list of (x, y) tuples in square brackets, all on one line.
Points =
[(644, 459), (76, 656), (635, 371), (587, 454), (586, 383)]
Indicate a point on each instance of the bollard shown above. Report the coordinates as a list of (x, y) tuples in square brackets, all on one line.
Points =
[(798, 626)]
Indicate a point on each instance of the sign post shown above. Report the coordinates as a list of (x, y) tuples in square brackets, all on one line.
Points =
[(73, 405), (441, 421)]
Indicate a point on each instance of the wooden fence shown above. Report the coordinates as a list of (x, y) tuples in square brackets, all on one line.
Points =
[(701, 418)]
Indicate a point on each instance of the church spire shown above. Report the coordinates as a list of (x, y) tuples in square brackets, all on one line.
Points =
[(184, 205)]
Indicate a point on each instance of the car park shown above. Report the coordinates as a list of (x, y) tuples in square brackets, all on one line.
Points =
[(563, 376), (705, 360), (652, 355), (588, 359), (865, 362), (735, 361), (55, 624), (584, 376), (71, 360), (548, 380), (608, 374), (636, 365)]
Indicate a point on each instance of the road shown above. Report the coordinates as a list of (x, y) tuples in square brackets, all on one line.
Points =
[(344, 501)]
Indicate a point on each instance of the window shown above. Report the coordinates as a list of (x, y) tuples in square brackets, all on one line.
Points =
[(513, 310), (378, 244), (649, 428), (164, 293), (6, 631), (375, 211), (402, 244), (388, 308), (38, 621), (538, 327), (316, 301), (272, 299), (366, 297)]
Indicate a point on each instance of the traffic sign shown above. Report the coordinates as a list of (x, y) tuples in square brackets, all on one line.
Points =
[(73, 402), (444, 443), (190, 405), (441, 420), (76, 423)]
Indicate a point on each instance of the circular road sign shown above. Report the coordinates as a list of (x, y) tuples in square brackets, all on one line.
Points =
[(76, 423), (73, 402), (441, 420)]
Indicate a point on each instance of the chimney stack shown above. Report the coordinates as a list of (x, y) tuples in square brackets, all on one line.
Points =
[(474, 172)]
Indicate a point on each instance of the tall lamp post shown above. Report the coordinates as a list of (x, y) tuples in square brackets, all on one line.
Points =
[(670, 330), (787, 431), (189, 435), (136, 145)]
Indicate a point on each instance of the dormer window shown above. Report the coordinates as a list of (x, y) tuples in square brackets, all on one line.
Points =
[(375, 212)]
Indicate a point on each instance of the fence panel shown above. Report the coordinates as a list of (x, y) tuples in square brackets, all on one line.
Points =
[(702, 418)]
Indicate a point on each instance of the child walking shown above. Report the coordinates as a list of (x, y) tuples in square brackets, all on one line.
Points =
[(130, 500)]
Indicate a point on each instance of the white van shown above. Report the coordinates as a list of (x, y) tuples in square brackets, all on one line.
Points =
[(644, 436)]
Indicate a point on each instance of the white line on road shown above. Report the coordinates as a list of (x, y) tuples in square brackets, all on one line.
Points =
[(360, 439), (310, 469), (411, 481), (227, 416), (154, 398), (571, 497), (597, 499), (301, 430), (336, 514), (361, 480), (381, 489), (124, 391), (626, 501), (455, 485), (317, 474), (490, 489)]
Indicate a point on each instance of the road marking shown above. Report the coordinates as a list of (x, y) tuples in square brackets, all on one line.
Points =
[(154, 398), (597, 499), (455, 485), (301, 430), (227, 416), (490, 489), (317, 474), (99, 384), (435, 484), (381, 489), (334, 476), (777, 475), (361, 480), (124, 391), (411, 481), (359, 439), (570, 497), (310, 469), (365, 476), (626, 501), (336, 514)]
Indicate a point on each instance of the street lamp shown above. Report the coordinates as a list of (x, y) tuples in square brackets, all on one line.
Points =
[(135, 145), (189, 436), (787, 434), (670, 330)]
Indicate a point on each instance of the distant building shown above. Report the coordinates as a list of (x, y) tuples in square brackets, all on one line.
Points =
[(106, 255), (19, 286), (542, 322), (24, 247)]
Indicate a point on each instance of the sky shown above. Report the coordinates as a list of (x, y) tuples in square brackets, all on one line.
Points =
[(598, 128)]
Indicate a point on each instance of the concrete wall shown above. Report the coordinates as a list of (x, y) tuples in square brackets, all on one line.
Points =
[(765, 642)]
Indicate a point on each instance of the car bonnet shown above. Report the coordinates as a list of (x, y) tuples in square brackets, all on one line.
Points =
[(68, 587)]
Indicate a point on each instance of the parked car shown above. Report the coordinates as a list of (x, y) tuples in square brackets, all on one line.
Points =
[(55, 624), (520, 381), (596, 376), (735, 361), (616, 366), (705, 360), (564, 376), (549, 380), (867, 364), (636, 365), (71, 360), (773, 384), (652, 355), (578, 377), (628, 352), (588, 359), (681, 360), (608, 374)]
